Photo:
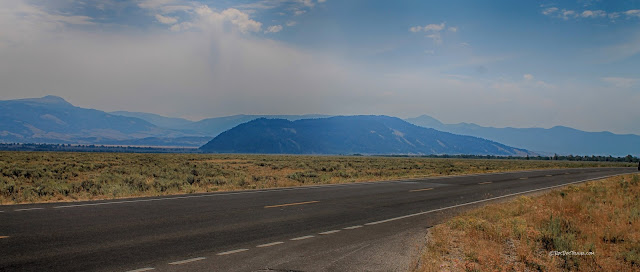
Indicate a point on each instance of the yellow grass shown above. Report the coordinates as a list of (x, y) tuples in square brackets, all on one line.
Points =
[(48, 176), (602, 217)]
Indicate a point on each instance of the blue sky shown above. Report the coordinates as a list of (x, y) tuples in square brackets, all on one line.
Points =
[(495, 63)]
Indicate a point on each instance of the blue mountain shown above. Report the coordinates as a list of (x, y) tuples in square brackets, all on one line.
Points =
[(559, 139), (349, 135)]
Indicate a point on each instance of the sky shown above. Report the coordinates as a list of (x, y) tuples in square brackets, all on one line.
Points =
[(493, 63)]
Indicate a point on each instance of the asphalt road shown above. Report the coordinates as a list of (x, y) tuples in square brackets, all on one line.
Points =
[(374, 226)]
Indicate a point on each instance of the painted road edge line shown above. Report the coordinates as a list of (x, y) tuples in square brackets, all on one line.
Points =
[(329, 232), (353, 227), (4, 237), (270, 244), (301, 238), (232, 251), (142, 269), (188, 260), (291, 204), (486, 182), (488, 199)]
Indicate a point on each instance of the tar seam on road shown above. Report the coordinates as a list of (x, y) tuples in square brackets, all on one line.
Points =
[(301, 238), (291, 204), (188, 260), (419, 190), (142, 269), (485, 200), (232, 251), (28, 209)]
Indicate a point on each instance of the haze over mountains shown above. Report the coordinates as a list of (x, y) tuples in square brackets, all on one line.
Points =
[(349, 135), (51, 119), (559, 139)]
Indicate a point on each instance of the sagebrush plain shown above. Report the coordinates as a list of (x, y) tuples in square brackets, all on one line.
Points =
[(27, 177)]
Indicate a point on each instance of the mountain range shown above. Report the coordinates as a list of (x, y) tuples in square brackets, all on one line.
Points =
[(559, 139), (51, 119), (364, 134)]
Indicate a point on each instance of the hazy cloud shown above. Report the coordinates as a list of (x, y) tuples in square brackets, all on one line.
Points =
[(273, 29), (166, 20), (433, 31), (621, 82)]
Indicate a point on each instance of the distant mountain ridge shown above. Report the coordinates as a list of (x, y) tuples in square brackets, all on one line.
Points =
[(156, 119), (558, 139), (52, 119), (349, 135)]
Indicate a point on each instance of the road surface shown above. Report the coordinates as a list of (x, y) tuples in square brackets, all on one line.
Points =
[(371, 226)]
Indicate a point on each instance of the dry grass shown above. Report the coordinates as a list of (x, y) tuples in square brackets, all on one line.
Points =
[(48, 176), (602, 217)]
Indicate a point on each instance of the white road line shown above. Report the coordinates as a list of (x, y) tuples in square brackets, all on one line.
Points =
[(28, 209), (329, 232), (142, 269), (353, 227), (524, 178), (294, 188), (270, 244), (232, 251), (301, 238), (485, 200), (188, 260)]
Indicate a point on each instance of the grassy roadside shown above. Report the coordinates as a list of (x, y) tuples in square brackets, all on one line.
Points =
[(600, 218), (27, 177)]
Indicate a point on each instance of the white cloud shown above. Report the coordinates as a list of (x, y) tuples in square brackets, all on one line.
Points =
[(322, 1), (620, 82), (567, 14), (549, 11), (306, 3), (633, 12), (291, 23), (428, 28), (593, 13), (299, 12), (528, 77), (236, 17), (166, 20), (273, 29), (433, 27), (155, 4), (415, 29), (433, 31)]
